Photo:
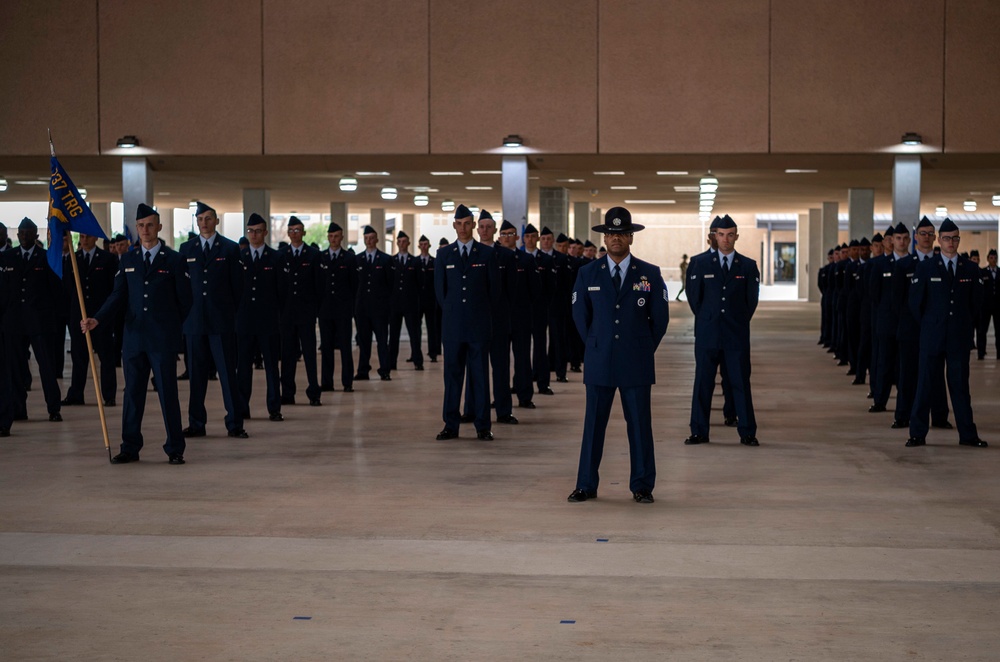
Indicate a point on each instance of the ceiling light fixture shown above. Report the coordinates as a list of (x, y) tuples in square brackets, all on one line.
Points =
[(372, 173), (623, 188), (969, 205), (571, 180), (709, 183), (671, 173), (911, 138), (478, 188), (474, 209), (447, 205), (513, 140), (3, 184), (83, 192), (707, 196), (610, 172), (941, 210), (389, 192), (800, 171), (348, 184), (996, 199), (486, 172), (128, 142), (421, 200), (650, 202), (687, 189), (447, 173), (193, 206)]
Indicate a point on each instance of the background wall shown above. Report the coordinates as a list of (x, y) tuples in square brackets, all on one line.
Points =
[(454, 77)]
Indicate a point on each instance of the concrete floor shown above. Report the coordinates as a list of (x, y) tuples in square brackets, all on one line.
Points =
[(349, 533)]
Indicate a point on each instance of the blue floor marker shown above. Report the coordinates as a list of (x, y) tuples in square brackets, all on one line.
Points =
[(302, 618), (566, 622), (602, 540)]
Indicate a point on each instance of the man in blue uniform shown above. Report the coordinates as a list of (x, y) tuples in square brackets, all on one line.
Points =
[(620, 309), (6, 396), (540, 310), (153, 289), (97, 279), (216, 271), (991, 306), (257, 329), (404, 304), (466, 278), (303, 280), (560, 314), (524, 287), (945, 299), (32, 320), (375, 273), (886, 318), (428, 302), (723, 292), (338, 268)]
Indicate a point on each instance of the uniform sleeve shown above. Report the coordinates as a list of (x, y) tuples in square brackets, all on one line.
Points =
[(753, 288), (182, 285), (918, 289), (694, 286), (581, 307), (114, 305), (659, 312), (236, 271), (439, 284)]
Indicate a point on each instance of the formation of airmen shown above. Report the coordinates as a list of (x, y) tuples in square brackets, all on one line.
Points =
[(909, 317), (229, 308)]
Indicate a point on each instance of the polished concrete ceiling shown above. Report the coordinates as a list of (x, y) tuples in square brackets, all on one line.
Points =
[(747, 183)]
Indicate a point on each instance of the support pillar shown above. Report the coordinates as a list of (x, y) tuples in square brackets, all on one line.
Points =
[(830, 215), (815, 257), (514, 184), (338, 214), (596, 218), (553, 209), (802, 278), (581, 220), (256, 201), (376, 219), (860, 213), (409, 226), (102, 212), (906, 190), (137, 186)]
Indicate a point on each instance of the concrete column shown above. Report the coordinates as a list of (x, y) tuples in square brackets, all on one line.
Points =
[(256, 201), (815, 257), (409, 226), (581, 220), (166, 232), (802, 278), (137, 186), (831, 224), (906, 189), (514, 183), (377, 221), (102, 212), (767, 259), (338, 214), (860, 213), (553, 209), (596, 218)]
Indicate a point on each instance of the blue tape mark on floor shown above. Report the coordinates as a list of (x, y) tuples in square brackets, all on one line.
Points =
[(302, 618), (602, 540), (616, 483), (566, 622)]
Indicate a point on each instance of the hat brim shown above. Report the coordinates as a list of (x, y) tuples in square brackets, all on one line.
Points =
[(604, 229)]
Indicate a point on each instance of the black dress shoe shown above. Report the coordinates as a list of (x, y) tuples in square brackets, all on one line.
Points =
[(545, 390), (731, 422), (575, 368), (386, 377), (288, 401), (858, 382), (4, 432), (193, 432), (124, 458), (899, 425), (348, 389), (842, 362), (485, 435), (975, 443), (110, 403), (182, 377), (749, 441), (874, 409), (562, 380), (276, 416), (176, 458), (239, 434), (915, 441), (578, 495), (69, 402), (361, 377), (943, 425), (870, 396), (445, 434), (508, 419), (851, 372), (526, 405), (695, 439), (419, 366), (434, 359), (642, 497), (467, 418), (315, 402), (56, 417)]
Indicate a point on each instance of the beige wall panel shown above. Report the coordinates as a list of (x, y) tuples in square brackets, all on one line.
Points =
[(49, 77), (972, 77), (854, 75), (520, 66), (684, 76), (345, 77), (182, 76)]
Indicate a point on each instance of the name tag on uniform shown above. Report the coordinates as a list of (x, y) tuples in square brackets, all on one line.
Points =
[(128, 269), (449, 266), (594, 289), (192, 259), (886, 274), (220, 259), (910, 276), (709, 276), (935, 280)]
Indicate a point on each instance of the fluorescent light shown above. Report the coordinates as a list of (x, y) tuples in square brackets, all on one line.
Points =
[(33, 182), (941, 210), (709, 183), (672, 173), (799, 171), (571, 180), (623, 188), (705, 208), (421, 189), (372, 173), (474, 209), (996, 199), (610, 172), (686, 189), (348, 184), (486, 172), (389, 193), (3, 184), (478, 188), (650, 202), (447, 173), (83, 192), (421, 200), (447, 205), (193, 206), (706, 196), (969, 205), (513, 140)]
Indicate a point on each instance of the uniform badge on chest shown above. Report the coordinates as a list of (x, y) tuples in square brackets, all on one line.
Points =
[(641, 301), (642, 286)]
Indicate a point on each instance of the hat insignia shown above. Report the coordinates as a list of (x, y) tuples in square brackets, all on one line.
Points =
[(616, 221)]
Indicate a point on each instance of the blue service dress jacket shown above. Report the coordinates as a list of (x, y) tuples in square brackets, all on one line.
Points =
[(216, 285), (263, 286), (155, 301), (465, 289), (37, 303), (620, 330), (946, 307), (723, 304)]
